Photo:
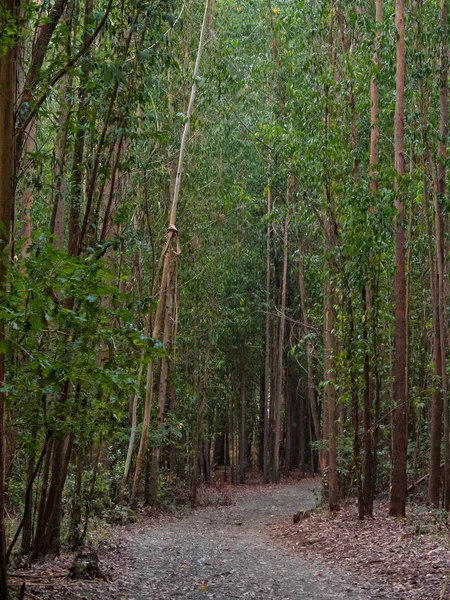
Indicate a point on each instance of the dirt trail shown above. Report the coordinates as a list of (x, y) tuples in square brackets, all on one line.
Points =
[(226, 552)]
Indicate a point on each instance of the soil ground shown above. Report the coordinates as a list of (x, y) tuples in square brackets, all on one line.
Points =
[(218, 552)]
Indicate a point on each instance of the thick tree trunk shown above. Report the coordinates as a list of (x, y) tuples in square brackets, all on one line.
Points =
[(399, 417)]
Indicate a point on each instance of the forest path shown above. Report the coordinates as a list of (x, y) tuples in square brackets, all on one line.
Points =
[(226, 552)]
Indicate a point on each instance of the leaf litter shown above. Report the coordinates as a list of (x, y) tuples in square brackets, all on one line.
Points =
[(244, 546), (398, 559)]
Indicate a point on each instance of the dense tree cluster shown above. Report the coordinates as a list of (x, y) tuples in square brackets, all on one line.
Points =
[(224, 239)]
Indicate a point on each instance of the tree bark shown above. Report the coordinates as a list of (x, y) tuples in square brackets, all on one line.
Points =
[(399, 417), (440, 199), (242, 436), (288, 426), (7, 87), (330, 396), (57, 224), (267, 379), (162, 392), (78, 151), (278, 400), (27, 197), (27, 532), (131, 441), (311, 389), (368, 440), (172, 238)]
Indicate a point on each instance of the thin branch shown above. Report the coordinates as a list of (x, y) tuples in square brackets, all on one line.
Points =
[(53, 80)]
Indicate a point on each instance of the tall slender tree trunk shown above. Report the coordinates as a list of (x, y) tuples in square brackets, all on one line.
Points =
[(302, 429), (436, 405), (162, 392), (27, 197), (368, 475), (132, 439), (267, 379), (440, 199), (27, 526), (75, 535), (40, 524), (7, 92), (57, 223), (399, 417), (78, 164), (242, 436), (278, 400), (311, 390), (172, 408), (368, 440), (288, 427), (330, 394), (262, 418), (171, 247)]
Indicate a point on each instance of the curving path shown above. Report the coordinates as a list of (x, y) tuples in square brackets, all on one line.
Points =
[(227, 552)]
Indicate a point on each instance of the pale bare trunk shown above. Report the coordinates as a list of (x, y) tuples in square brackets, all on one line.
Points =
[(162, 392), (132, 433), (169, 250)]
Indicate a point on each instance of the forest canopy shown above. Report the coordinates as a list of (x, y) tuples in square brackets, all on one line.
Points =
[(224, 240)]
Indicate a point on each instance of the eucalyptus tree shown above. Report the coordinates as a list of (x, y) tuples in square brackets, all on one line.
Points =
[(276, 331)]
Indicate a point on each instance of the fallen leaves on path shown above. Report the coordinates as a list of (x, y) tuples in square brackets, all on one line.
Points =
[(408, 556)]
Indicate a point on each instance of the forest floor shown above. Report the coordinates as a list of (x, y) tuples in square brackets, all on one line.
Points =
[(247, 550), (395, 559)]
